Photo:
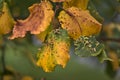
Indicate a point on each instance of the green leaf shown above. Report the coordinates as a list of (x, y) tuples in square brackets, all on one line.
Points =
[(88, 46)]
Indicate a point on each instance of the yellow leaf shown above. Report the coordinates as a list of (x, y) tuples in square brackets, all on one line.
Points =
[(56, 52), (43, 34), (46, 59), (78, 22), (115, 60), (38, 21), (60, 0), (82, 4), (62, 50), (6, 20)]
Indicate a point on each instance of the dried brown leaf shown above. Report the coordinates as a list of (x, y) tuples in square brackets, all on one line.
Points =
[(37, 22)]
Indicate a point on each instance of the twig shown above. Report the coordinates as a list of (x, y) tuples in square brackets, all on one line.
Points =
[(110, 39)]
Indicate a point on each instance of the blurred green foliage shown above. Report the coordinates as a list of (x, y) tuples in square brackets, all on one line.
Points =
[(20, 53), (19, 8)]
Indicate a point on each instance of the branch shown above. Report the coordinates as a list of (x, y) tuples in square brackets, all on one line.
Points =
[(111, 39)]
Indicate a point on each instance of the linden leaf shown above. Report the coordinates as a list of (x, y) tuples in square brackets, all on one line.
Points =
[(38, 21), (60, 0), (61, 46), (46, 59), (82, 4), (89, 46), (6, 20), (78, 22), (56, 52)]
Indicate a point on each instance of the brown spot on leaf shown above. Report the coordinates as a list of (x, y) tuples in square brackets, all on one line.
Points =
[(56, 53), (79, 22)]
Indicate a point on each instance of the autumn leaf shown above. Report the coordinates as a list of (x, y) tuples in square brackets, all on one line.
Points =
[(6, 20), (79, 22), (46, 59), (115, 62), (38, 21), (60, 0), (55, 52), (43, 34), (82, 4)]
